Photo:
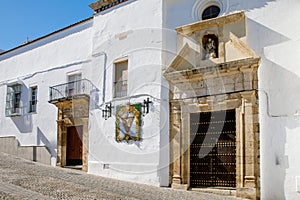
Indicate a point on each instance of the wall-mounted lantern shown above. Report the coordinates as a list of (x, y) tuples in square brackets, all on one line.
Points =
[(145, 106), (106, 113)]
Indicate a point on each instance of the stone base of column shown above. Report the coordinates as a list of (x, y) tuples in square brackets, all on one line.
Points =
[(84, 168), (176, 183), (250, 182), (179, 186), (248, 193)]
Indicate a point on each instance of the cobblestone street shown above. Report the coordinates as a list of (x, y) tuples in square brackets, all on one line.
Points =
[(22, 179)]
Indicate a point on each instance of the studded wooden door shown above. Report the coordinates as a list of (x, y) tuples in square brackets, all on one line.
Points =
[(74, 145), (213, 149)]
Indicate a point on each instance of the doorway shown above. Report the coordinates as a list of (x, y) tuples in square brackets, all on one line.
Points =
[(213, 149), (74, 145)]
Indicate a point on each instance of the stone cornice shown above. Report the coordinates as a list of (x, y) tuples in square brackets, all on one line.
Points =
[(99, 4), (211, 23), (238, 65), (102, 5)]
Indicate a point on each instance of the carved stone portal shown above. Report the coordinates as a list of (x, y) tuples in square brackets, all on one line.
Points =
[(211, 87)]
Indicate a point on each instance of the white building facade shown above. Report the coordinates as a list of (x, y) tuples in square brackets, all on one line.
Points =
[(109, 94)]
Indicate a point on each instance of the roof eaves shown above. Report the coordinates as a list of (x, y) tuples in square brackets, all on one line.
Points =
[(43, 37)]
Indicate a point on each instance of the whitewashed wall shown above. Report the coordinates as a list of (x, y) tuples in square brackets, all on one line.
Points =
[(132, 30), (44, 63), (272, 29)]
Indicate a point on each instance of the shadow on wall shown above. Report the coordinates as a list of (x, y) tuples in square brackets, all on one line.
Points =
[(23, 123), (283, 106), (263, 37), (43, 141), (250, 5), (279, 104)]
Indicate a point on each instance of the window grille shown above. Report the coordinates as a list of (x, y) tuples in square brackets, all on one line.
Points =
[(33, 100), (211, 12), (13, 100)]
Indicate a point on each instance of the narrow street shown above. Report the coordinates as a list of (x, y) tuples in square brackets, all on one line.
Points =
[(22, 179)]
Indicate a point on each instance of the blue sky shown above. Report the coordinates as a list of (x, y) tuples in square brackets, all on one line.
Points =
[(20, 19)]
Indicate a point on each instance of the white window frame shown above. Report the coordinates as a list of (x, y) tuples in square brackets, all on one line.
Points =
[(120, 86)]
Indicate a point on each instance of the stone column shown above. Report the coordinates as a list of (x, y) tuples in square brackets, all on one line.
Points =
[(222, 50), (61, 137), (175, 144), (64, 145), (85, 147), (251, 167), (59, 142)]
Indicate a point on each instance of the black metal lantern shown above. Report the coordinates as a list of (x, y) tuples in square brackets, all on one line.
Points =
[(145, 106), (106, 113)]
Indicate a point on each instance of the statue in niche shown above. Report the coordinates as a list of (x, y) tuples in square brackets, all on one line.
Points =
[(210, 48)]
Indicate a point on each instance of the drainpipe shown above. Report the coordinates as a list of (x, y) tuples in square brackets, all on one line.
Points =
[(104, 73)]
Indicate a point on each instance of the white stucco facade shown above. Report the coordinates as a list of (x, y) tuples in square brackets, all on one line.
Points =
[(42, 63), (120, 34), (143, 32), (272, 34)]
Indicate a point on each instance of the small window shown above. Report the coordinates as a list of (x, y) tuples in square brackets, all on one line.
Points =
[(13, 100), (211, 12), (121, 77), (33, 99), (74, 85)]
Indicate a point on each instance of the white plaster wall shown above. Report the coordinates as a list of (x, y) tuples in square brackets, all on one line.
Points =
[(43, 64), (133, 30), (273, 33), (275, 39)]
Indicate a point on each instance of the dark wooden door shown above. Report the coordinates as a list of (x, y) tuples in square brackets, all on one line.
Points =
[(74, 145), (213, 149)]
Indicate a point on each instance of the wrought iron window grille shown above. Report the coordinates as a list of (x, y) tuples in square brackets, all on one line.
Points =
[(106, 112), (120, 89), (145, 106), (32, 106)]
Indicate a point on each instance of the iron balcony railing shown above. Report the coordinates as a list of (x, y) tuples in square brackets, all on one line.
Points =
[(71, 89), (120, 89), (32, 106)]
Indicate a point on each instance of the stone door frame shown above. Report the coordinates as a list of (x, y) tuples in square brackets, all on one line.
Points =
[(62, 142), (247, 138), (66, 118)]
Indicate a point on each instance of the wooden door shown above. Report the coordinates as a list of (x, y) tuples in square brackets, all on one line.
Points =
[(213, 149), (74, 145)]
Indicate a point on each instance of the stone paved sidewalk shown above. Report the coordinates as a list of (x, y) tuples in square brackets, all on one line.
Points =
[(22, 179)]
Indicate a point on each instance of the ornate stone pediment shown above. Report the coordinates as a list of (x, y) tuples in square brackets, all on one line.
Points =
[(186, 58), (212, 43), (214, 72)]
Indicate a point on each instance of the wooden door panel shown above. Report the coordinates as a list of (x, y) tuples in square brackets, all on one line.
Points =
[(74, 145), (213, 149)]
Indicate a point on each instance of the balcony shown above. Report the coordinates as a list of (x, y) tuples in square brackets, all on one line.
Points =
[(120, 89), (71, 90)]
